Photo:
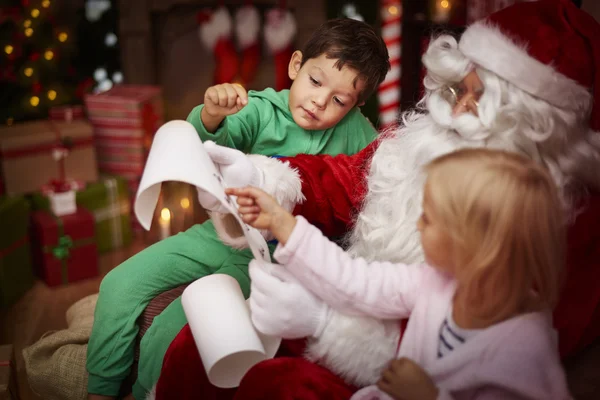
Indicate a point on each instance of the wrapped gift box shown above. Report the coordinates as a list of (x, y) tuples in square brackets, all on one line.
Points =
[(64, 248), (109, 202), (16, 273), (8, 374), (66, 113), (125, 119), (28, 154)]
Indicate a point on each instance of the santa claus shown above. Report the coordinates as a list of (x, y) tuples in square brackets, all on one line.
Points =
[(523, 80)]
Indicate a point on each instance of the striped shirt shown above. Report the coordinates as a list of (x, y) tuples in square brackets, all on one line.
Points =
[(452, 336)]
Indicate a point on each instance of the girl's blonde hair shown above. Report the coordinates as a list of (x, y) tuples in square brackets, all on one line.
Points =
[(504, 216)]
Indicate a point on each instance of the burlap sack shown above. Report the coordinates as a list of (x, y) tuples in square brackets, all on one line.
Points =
[(55, 364), (81, 314)]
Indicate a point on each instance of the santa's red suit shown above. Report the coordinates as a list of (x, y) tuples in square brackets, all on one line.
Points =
[(538, 62)]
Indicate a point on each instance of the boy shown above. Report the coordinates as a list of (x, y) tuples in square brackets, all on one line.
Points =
[(340, 66)]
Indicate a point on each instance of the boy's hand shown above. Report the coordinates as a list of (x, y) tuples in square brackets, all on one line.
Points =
[(225, 99), (260, 210), (404, 379)]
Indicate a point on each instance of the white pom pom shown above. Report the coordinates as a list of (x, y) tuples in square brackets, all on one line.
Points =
[(247, 26), (280, 29), (218, 26)]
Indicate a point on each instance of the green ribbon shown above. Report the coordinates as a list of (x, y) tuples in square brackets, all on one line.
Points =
[(61, 251)]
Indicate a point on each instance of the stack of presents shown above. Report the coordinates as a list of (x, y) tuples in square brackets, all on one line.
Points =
[(67, 185)]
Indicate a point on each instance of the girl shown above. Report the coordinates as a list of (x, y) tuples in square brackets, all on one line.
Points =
[(480, 324)]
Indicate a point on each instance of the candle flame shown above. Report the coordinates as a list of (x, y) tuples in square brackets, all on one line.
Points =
[(185, 203), (165, 214)]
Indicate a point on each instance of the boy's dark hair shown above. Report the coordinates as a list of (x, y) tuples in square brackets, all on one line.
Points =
[(354, 44)]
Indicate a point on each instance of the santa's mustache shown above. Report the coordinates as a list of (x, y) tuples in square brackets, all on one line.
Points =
[(467, 125)]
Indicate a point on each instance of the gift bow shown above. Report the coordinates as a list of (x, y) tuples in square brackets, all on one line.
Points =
[(61, 251), (58, 186)]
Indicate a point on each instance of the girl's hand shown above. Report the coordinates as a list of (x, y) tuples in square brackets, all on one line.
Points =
[(404, 379), (261, 211)]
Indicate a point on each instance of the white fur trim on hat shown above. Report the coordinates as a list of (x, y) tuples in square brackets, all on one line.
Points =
[(280, 180), (280, 29), (488, 47), (218, 26), (247, 25)]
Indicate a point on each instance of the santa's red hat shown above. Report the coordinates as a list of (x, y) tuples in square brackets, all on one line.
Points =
[(548, 48)]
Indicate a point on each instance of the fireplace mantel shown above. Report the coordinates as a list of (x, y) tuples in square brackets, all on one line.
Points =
[(138, 41)]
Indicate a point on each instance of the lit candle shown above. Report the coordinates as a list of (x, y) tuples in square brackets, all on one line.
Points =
[(442, 11), (165, 223), (185, 203)]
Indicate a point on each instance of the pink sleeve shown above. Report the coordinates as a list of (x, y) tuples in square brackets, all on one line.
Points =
[(351, 285)]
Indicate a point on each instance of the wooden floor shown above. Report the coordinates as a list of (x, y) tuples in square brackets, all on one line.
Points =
[(43, 309)]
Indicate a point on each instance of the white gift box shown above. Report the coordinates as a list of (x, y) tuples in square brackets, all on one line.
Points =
[(63, 203)]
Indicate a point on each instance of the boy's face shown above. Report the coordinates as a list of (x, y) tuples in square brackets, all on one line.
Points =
[(321, 94)]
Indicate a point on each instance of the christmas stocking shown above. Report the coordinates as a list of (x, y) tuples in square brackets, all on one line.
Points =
[(215, 32), (280, 30), (247, 26)]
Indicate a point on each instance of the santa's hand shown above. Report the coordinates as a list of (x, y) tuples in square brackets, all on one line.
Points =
[(210, 202), (236, 168), (281, 306)]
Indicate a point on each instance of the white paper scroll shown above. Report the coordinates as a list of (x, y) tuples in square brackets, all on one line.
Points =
[(219, 319), (177, 154)]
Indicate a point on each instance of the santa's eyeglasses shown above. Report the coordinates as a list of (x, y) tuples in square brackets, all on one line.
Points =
[(461, 99)]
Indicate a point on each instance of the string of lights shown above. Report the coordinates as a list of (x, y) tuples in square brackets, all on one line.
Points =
[(50, 57)]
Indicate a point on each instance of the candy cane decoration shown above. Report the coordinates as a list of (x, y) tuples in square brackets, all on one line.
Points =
[(388, 92)]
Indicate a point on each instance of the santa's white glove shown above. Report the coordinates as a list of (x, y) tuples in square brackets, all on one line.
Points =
[(236, 169), (281, 306)]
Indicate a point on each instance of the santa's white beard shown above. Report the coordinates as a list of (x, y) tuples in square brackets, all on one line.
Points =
[(386, 226)]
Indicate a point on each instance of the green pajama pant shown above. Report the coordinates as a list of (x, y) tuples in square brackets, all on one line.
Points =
[(126, 291)]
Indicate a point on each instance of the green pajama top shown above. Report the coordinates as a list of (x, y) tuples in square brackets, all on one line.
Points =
[(265, 126)]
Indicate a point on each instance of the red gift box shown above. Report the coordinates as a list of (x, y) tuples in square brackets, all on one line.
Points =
[(125, 119), (66, 113), (64, 247)]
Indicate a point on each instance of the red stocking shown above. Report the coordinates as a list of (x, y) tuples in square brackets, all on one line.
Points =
[(215, 33), (247, 26), (280, 30)]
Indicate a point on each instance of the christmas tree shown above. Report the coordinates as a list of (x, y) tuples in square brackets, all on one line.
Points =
[(52, 54), (37, 70)]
